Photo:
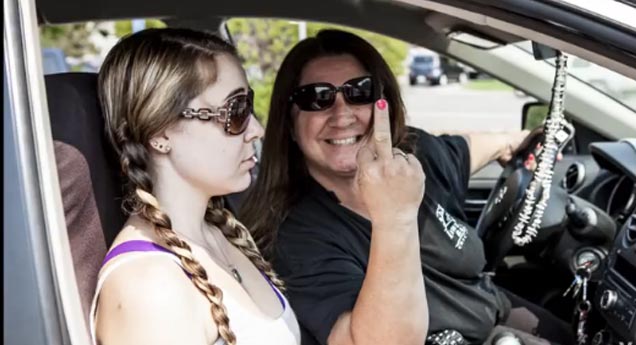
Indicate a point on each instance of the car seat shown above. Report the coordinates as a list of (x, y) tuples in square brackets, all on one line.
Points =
[(88, 174)]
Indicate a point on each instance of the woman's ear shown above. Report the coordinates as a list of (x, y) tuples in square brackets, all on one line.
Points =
[(161, 144)]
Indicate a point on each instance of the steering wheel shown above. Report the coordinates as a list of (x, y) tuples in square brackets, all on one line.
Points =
[(497, 220)]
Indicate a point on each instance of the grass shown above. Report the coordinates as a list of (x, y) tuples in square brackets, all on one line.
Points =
[(487, 85)]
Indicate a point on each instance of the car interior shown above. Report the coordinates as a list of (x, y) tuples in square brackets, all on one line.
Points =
[(591, 218)]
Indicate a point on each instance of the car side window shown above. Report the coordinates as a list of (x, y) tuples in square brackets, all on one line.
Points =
[(442, 94)]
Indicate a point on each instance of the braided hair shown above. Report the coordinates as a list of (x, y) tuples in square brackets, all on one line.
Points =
[(144, 83)]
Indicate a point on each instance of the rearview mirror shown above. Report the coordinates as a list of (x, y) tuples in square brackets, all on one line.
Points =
[(533, 115)]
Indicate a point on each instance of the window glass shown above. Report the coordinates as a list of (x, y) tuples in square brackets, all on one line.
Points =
[(448, 96), (82, 47), (615, 85), (263, 44)]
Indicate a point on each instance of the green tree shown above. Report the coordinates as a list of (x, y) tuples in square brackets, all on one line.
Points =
[(262, 44), (73, 39), (392, 50), (124, 27)]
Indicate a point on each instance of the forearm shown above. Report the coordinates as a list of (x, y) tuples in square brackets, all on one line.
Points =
[(486, 147), (391, 307)]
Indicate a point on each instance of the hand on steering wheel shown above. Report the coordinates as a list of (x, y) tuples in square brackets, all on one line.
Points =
[(505, 198), (516, 142), (521, 143)]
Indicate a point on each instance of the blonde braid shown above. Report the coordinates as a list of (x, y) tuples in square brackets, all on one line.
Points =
[(134, 161), (240, 237)]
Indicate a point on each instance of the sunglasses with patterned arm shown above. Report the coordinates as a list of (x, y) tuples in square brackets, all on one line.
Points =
[(234, 114)]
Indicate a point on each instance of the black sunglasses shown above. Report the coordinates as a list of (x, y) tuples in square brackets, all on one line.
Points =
[(321, 96), (234, 114)]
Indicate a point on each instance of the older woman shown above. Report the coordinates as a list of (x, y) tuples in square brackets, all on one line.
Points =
[(354, 265)]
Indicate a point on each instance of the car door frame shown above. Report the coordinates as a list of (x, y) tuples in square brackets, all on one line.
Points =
[(41, 296)]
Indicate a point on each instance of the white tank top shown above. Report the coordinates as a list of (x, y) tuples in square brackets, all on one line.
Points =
[(248, 328)]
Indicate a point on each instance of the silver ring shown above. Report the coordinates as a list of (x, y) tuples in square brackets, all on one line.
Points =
[(399, 152)]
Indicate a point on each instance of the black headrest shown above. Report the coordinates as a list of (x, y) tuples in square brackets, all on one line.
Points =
[(77, 120)]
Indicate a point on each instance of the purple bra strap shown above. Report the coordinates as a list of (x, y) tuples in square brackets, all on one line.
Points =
[(280, 298), (134, 246)]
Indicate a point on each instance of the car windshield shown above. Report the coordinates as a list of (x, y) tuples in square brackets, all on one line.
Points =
[(618, 12), (615, 85)]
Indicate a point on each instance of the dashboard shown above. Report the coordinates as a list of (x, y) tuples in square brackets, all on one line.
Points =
[(614, 193), (606, 178), (615, 296)]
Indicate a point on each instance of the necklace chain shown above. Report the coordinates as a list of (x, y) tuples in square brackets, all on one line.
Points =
[(226, 261)]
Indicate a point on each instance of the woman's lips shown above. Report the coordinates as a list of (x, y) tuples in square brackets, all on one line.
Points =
[(251, 161)]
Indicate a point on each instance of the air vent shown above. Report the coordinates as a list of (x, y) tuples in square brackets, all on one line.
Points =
[(574, 177), (630, 232)]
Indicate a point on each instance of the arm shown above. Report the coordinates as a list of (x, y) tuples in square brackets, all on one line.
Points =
[(151, 301), (486, 147), (391, 307)]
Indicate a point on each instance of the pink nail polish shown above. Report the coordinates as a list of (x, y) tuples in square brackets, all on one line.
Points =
[(381, 104)]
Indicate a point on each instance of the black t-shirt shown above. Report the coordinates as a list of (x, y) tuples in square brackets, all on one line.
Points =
[(322, 251)]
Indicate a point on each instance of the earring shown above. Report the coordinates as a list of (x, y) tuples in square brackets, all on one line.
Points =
[(160, 147)]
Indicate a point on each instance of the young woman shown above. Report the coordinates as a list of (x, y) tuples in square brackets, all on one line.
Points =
[(183, 270)]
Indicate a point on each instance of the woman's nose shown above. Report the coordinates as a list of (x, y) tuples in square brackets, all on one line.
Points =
[(254, 129), (342, 112)]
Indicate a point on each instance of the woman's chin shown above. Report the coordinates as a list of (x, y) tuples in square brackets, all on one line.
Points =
[(346, 169), (238, 184), (244, 182)]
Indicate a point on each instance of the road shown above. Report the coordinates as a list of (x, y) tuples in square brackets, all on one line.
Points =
[(453, 107)]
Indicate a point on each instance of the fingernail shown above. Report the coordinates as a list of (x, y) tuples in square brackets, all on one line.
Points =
[(531, 157), (381, 104)]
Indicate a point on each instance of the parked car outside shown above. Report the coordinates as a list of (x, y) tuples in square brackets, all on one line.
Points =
[(429, 66)]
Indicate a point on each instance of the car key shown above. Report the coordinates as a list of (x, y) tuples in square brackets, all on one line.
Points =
[(575, 285), (584, 273)]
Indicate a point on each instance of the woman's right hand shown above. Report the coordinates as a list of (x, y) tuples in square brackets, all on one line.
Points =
[(391, 182)]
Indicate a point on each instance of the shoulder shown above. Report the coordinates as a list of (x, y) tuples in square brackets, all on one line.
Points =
[(316, 209), (421, 139), (428, 146), (146, 271), (149, 300), (312, 228)]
